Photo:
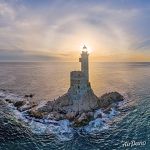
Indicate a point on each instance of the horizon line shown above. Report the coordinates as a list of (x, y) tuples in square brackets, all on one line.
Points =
[(74, 61)]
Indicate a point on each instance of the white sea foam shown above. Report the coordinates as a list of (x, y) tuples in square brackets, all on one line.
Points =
[(113, 113), (37, 127), (10, 96), (61, 129), (2, 94), (96, 126), (97, 112), (99, 124)]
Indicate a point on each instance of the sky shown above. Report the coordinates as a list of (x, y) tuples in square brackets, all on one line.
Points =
[(56, 30)]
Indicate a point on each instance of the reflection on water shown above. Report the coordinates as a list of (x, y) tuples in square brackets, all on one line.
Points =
[(49, 80)]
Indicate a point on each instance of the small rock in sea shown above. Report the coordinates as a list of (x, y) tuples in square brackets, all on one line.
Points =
[(28, 106), (29, 96), (2, 102), (71, 115), (82, 117), (90, 114), (36, 114), (8, 100), (48, 107), (45, 109), (109, 99), (82, 120), (19, 104)]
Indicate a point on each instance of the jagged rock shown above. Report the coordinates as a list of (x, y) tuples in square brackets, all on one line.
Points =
[(55, 116), (71, 115), (109, 99), (80, 111), (36, 114), (45, 109), (98, 114), (82, 120), (29, 96), (13, 101), (82, 117), (62, 102), (28, 106), (8, 100), (2, 102), (48, 107), (65, 105), (90, 114), (87, 102), (19, 104), (107, 110), (64, 112)]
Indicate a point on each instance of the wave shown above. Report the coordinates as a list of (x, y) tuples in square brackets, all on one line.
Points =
[(61, 129)]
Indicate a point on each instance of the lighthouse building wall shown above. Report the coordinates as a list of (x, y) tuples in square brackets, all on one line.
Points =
[(79, 80), (78, 84)]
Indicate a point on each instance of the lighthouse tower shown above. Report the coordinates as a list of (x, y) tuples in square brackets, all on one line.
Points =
[(79, 80), (85, 64)]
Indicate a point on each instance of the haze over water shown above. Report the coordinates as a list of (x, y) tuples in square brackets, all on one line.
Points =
[(48, 80)]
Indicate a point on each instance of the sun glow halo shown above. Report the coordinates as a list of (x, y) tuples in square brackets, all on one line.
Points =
[(89, 49)]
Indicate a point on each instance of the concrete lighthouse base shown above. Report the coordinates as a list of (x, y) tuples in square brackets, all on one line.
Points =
[(87, 102)]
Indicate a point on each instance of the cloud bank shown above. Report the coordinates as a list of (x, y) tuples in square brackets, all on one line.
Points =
[(55, 30)]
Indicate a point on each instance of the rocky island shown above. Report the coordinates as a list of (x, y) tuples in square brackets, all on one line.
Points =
[(78, 104), (79, 108)]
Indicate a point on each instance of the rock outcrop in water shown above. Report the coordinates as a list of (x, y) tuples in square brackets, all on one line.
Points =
[(80, 102), (78, 105), (46, 118), (80, 112), (64, 121), (108, 99), (85, 103)]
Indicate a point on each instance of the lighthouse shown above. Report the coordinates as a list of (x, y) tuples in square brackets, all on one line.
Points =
[(85, 63), (79, 80)]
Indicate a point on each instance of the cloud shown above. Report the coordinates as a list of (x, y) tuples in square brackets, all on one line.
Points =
[(21, 55), (57, 28)]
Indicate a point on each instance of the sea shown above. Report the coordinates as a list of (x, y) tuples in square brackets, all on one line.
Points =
[(49, 80)]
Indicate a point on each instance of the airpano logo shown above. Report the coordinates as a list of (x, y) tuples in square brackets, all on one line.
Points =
[(133, 143)]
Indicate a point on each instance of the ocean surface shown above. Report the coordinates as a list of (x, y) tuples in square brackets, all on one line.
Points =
[(47, 81)]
